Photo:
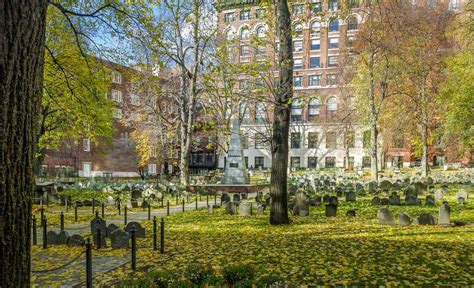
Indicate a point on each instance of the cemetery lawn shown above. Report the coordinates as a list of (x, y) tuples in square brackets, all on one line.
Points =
[(313, 250)]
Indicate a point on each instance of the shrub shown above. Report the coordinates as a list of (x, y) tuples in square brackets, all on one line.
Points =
[(235, 273), (199, 275), (271, 281)]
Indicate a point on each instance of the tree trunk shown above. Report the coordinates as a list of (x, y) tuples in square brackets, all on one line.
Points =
[(39, 158), (374, 174), (21, 81), (424, 153), (281, 124)]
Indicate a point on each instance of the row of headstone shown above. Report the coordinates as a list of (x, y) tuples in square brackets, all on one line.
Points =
[(385, 217), (410, 200), (118, 237), (63, 238)]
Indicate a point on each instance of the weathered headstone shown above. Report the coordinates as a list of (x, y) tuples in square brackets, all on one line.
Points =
[(375, 201), (331, 210), (75, 240), (236, 198), (461, 200), (111, 229), (210, 209), (268, 199), (426, 219), (225, 198), (404, 219), (350, 197), (444, 214), (230, 208), (333, 200), (261, 209), (301, 203), (385, 185), (384, 216), (410, 200), (63, 236), (430, 200), (52, 238), (394, 199), (351, 213), (439, 194), (384, 201), (315, 201), (139, 230), (462, 193), (245, 209), (119, 239), (99, 224), (372, 187)]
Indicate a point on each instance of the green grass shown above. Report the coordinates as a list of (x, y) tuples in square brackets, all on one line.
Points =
[(315, 250)]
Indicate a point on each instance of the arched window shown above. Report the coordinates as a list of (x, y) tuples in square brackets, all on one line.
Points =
[(229, 35), (334, 25), (244, 33), (313, 107), (296, 111), (315, 27), (332, 104), (260, 113), (352, 23), (299, 30), (261, 31)]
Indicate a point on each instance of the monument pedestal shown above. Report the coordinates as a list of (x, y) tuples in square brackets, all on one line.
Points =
[(235, 172)]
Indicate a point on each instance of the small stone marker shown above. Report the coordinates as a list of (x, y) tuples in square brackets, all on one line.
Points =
[(350, 197), (139, 231), (404, 219), (99, 224), (462, 193), (75, 240), (119, 239), (426, 219), (439, 195), (444, 214), (384, 201), (385, 216), (351, 213), (315, 201), (333, 200), (376, 201), (230, 208), (261, 209), (245, 209), (236, 198), (430, 200), (210, 209), (394, 199), (331, 210), (460, 201), (63, 236), (326, 198), (225, 198), (111, 229), (411, 200), (52, 238)]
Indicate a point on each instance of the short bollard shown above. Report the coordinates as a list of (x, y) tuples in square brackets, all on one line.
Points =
[(168, 207), (162, 236), (75, 212), (103, 210), (41, 216), (207, 200), (154, 234), (125, 214), (98, 240), (45, 233), (149, 211), (88, 263), (34, 231), (134, 250), (61, 220), (215, 199), (93, 205), (47, 200), (118, 206), (183, 204)]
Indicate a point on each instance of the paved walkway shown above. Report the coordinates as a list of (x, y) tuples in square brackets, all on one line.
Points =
[(70, 272)]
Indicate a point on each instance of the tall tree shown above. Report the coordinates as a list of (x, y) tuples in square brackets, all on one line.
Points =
[(281, 122)]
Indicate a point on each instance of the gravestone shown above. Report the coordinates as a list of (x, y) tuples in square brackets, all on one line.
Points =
[(98, 224), (236, 198), (225, 198), (63, 236), (360, 189), (350, 197), (330, 210), (351, 213), (462, 193), (461, 201), (444, 214), (333, 200), (210, 209), (268, 199), (52, 238), (134, 203), (245, 209), (119, 239), (384, 216), (139, 230), (430, 200), (439, 195), (372, 187), (230, 208), (315, 201), (410, 200), (426, 219), (301, 203), (384, 201), (110, 200), (419, 187), (111, 229), (144, 204), (75, 240), (394, 199), (385, 185), (410, 191), (235, 172), (375, 201), (404, 219), (244, 196), (326, 198), (261, 209)]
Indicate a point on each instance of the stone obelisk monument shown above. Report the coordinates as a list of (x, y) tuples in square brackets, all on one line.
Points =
[(235, 171)]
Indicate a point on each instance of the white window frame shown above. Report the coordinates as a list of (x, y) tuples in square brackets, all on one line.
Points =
[(118, 113), (86, 144), (116, 77), (117, 96), (152, 168)]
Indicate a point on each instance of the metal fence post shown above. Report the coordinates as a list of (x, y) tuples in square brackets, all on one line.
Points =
[(103, 210), (88, 263), (134, 250), (149, 211), (183, 204), (125, 214), (154, 233), (45, 233), (34, 231), (75, 212), (168, 207), (162, 236), (61, 218)]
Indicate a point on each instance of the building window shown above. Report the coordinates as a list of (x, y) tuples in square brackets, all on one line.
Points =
[(86, 144), (296, 111), (453, 5), (298, 9), (312, 162), (259, 141), (330, 162), (350, 41), (333, 61), (299, 30), (117, 95), (229, 17), (333, 5), (261, 32), (366, 139), (314, 80), (151, 168), (245, 50), (295, 140), (244, 15), (351, 163), (295, 162), (314, 62), (135, 100), (350, 140), (316, 6), (261, 50), (259, 13), (116, 77), (332, 104), (331, 140), (229, 35), (333, 43), (315, 45), (259, 162), (366, 162), (315, 27), (334, 25), (297, 46), (352, 23), (118, 113), (244, 84), (297, 81), (313, 108), (297, 63), (313, 140), (332, 79), (245, 33), (260, 113)]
